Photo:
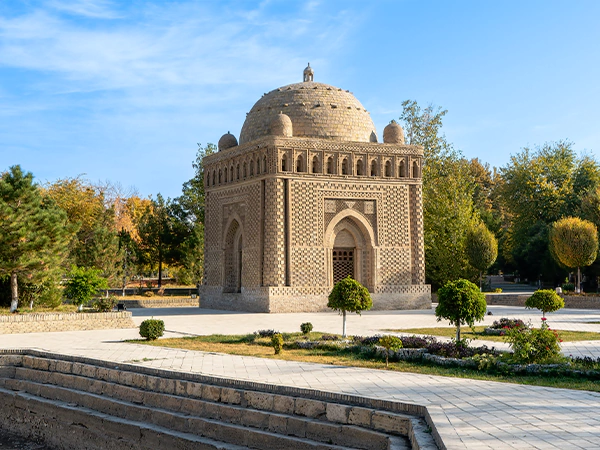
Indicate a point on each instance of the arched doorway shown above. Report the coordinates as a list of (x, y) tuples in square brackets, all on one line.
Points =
[(232, 263), (350, 242)]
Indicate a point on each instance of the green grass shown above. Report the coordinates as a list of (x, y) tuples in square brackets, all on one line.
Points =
[(477, 333), (247, 345)]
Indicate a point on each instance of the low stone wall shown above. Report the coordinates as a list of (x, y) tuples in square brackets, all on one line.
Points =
[(160, 303), (46, 322), (507, 299), (571, 301), (284, 299)]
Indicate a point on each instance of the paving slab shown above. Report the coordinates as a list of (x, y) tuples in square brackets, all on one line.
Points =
[(468, 413)]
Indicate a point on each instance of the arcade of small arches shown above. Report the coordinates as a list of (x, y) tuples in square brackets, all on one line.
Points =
[(334, 164)]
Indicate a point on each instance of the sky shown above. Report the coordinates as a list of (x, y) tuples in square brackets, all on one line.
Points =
[(124, 91)]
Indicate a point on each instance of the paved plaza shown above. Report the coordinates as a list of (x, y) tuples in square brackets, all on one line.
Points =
[(467, 413)]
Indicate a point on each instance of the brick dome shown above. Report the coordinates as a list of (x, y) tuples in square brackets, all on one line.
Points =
[(282, 126), (228, 140), (316, 110), (393, 133)]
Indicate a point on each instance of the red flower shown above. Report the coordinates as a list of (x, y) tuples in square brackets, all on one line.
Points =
[(543, 318)]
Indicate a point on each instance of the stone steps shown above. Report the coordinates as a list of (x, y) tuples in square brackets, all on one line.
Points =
[(220, 414), (65, 425)]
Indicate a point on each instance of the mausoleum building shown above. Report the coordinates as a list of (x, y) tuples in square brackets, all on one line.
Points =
[(307, 197)]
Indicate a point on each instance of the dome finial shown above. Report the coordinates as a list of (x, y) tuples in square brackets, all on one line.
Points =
[(308, 73)]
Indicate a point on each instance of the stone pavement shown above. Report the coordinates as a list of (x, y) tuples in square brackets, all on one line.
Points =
[(468, 414)]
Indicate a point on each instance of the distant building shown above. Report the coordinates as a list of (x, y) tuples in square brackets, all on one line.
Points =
[(307, 197)]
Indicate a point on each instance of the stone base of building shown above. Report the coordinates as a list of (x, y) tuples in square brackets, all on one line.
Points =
[(312, 299)]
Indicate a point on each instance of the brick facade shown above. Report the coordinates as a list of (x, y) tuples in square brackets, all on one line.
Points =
[(310, 196)]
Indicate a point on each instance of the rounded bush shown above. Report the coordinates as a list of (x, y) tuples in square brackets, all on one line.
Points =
[(148, 294), (349, 295), (152, 329), (277, 342), (306, 327), (546, 300), (105, 304)]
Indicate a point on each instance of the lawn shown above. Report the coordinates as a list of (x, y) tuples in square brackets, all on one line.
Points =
[(477, 333), (248, 345)]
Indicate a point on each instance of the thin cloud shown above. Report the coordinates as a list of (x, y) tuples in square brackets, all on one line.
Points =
[(97, 9)]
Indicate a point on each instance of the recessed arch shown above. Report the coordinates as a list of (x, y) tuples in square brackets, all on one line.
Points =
[(233, 255)]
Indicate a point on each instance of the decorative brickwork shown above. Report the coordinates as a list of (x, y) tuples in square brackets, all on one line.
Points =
[(308, 197)]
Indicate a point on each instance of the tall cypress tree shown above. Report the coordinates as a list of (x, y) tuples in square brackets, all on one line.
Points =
[(33, 231)]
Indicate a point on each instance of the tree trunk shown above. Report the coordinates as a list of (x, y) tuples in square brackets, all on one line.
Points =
[(344, 326), (458, 333), (578, 280), (159, 269), (14, 290), (480, 275)]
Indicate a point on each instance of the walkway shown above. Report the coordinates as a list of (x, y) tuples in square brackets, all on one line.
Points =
[(468, 413)]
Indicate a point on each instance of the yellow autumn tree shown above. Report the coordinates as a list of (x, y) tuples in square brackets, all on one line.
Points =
[(574, 244)]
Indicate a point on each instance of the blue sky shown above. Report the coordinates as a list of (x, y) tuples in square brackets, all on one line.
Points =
[(124, 90)]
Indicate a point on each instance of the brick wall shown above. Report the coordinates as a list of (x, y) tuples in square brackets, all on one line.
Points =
[(47, 322)]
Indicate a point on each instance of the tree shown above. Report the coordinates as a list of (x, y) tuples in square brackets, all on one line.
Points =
[(33, 231), (83, 284), (162, 234), (349, 295), (390, 343), (96, 242), (546, 300), (447, 195), (574, 243), (481, 248), (461, 302), (540, 186), (190, 212)]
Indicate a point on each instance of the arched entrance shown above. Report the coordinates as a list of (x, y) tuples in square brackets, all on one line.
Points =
[(349, 241), (232, 263)]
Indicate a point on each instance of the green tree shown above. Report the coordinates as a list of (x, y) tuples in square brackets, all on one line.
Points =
[(390, 343), (349, 295), (190, 213), (540, 186), (83, 284), (546, 300), (574, 243), (448, 189), (481, 248), (460, 302), (34, 232), (162, 234)]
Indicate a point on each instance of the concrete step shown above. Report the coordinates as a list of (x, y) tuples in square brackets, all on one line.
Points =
[(227, 413), (262, 433), (65, 426)]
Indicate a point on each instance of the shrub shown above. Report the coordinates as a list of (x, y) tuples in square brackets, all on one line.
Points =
[(306, 327), (460, 302), (505, 323), (152, 329), (265, 333), (277, 342), (83, 283), (329, 337), (390, 343), (349, 295), (568, 287), (534, 345), (546, 300), (105, 304), (148, 294), (498, 290)]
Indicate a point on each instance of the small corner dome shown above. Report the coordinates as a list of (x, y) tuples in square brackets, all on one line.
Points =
[(228, 140), (281, 125), (393, 133)]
